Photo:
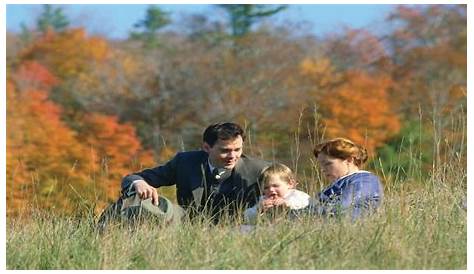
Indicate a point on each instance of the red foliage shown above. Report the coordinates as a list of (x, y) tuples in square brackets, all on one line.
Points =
[(34, 75)]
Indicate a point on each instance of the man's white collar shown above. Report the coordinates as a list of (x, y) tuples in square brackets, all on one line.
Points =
[(220, 170)]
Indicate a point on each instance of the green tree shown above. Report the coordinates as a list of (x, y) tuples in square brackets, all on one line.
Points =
[(408, 154), (52, 18), (243, 16), (154, 21), (200, 28), (26, 35)]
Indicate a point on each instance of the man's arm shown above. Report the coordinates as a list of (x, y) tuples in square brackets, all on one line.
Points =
[(253, 170), (146, 181)]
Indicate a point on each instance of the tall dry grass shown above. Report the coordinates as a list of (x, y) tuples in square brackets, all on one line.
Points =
[(421, 225)]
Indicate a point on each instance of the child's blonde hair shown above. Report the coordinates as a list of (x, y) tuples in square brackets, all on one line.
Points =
[(343, 149), (279, 170)]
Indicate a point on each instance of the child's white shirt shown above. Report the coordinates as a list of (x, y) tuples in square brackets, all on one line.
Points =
[(295, 199)]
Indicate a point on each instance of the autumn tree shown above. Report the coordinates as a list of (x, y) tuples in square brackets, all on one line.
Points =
[(116, 149), (316, 77), (360, 110), (71, 56), (45, 163), (352, 65), (357, 49), (32, 75), (93, 77), (429, 49), (68, 54), (172, 89), (105, 148)]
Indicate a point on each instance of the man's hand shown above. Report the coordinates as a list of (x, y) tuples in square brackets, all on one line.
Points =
[(145, 191)]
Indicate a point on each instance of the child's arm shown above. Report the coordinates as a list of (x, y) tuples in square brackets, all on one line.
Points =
[(250, 215)]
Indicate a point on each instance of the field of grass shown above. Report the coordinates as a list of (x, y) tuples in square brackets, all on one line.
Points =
[(417, 228), (422, 224)]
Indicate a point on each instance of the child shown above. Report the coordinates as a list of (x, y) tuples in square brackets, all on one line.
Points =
[(352, 189), (278, 192)]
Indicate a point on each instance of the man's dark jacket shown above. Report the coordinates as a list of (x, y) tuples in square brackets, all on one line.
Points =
[(189, 171)]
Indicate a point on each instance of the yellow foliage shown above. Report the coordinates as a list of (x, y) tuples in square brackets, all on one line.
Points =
[(320, 71)]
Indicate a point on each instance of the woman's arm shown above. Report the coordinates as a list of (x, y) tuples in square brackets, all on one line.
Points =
[(354, 198)]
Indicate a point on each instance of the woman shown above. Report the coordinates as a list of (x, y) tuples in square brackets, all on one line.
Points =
[(352, 190)]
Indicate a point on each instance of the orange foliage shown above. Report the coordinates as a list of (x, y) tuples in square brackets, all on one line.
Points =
[(18, 183), (116, 147), (360, 110), (44, 160), (69, 53), (49, 163)]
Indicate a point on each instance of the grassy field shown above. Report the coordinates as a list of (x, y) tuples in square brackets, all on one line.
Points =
[(422, 224), (418, 228)]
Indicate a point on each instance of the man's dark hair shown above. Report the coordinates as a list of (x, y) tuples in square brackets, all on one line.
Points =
[(222, 131)]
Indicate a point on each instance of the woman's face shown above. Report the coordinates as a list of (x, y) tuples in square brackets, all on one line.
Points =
[(333, 168)]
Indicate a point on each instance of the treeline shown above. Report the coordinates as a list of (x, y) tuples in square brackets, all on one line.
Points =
[(82, 110)]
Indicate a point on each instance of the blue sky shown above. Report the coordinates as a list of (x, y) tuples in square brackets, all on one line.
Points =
[(116, 20)]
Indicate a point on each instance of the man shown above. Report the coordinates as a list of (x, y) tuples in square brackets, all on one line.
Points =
[(216, 180)]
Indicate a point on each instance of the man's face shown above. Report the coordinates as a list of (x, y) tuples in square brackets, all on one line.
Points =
[(224, 153)]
